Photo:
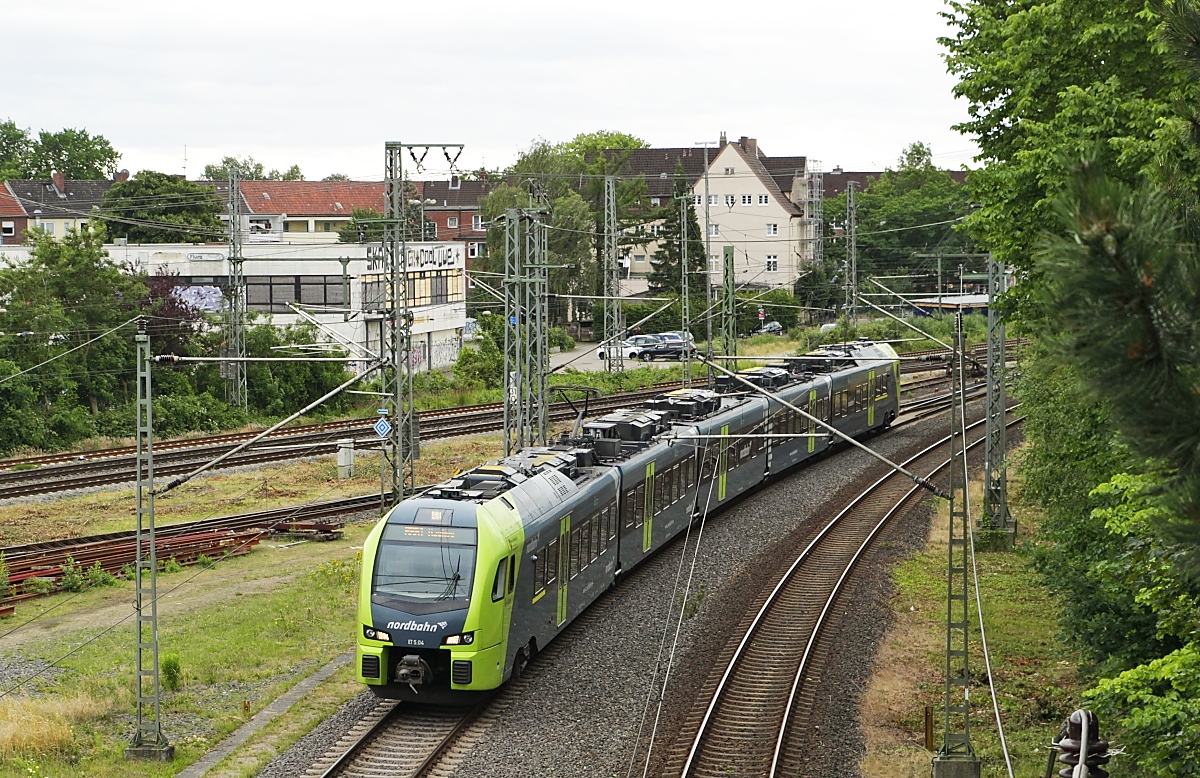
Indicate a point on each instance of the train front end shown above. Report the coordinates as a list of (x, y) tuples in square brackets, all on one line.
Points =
[(430, 629)]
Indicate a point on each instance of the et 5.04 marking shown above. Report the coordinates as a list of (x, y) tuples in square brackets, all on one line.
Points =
[(413, 642)]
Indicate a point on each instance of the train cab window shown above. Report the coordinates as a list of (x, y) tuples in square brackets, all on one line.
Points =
[(551, 562), (501, 578)]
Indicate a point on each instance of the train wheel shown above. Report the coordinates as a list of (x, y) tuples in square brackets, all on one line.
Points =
[(521, 661)]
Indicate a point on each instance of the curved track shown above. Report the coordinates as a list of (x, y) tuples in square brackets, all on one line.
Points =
[(762, 702)]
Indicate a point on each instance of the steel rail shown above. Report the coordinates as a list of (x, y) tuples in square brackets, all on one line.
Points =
[(739, 654), (379, 744)]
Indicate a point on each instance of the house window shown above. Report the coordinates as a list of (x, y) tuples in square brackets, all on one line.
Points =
[(451, 222), (772, 263), (8, 228), (764, 199), (747, 199), (714, 264), (698, 200), (772, 229), (655, 229), (656, 201), (730, 201), (714, 229), (48, 227), (327, 227), (639, 259), (82, 226), (474, 250), (714, 199), (729, 171), (477, 223)]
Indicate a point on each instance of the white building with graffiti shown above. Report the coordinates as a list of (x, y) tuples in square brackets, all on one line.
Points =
[(341, 285)]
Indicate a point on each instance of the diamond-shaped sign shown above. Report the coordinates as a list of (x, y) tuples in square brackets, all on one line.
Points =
[(382, 428)]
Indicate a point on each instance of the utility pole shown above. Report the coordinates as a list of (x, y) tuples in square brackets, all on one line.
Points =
[(148, 741), (957, 759), (614, 314), (684, 279), (708, 284), (729, 305), (237, 294), (526, 324), (996, 516), (851, 255), (397, 474)]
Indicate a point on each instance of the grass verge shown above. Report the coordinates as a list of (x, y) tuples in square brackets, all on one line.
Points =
[(1035, 675), (244, 631)]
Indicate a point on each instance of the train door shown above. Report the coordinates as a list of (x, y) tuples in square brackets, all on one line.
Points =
[(722, 462), (809, 425), (870, 398), (564, 562), (648, 510)]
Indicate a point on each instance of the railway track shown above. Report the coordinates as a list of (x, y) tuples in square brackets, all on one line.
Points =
[(397, 741), (758, 711), (235, 534), (183, 456), (79, 470)]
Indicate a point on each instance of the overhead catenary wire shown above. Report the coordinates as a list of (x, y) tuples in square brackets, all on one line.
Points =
[(68, 351)]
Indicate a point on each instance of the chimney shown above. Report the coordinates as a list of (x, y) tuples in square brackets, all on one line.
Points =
[(837, 171), (723, 140), (60, 182), (749, 145), (121, 175)]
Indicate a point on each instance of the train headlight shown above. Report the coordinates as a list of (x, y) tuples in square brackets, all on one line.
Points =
[(465, 639), (370, 633)]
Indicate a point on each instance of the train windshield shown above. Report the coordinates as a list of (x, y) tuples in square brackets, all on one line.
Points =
[(422, 569)]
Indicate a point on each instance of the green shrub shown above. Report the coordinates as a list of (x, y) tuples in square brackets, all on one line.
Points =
[(170, 566), (5, 588), (128, 571), (560, 338), (38, 585), (338, 573), (98, 576), (72, 577), (171, 671), (205, 561)]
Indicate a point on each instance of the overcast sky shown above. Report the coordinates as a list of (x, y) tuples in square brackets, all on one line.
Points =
[(323, 85)]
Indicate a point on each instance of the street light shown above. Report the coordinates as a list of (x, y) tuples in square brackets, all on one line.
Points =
[(423, 203)]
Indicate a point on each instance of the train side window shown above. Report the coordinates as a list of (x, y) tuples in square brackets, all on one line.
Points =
[(596, 538), (539, 572), (612, 526), (639, 503), (630, 510), (512, 573), (501, 576), (585, 536), (552, 562), (573, 557)]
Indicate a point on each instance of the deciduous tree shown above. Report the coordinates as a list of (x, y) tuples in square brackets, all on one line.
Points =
[(162, 208)]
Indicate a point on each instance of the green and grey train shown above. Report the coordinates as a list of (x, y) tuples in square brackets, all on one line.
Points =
[(462, 583)]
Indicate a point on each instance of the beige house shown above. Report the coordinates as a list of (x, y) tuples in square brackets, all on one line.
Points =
[(757, 204)]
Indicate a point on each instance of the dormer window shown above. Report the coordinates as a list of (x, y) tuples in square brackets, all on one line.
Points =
[(455, 182)]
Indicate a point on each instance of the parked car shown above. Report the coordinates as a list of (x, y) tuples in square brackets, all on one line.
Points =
[(631, 348), (670, 346), (770, 328)]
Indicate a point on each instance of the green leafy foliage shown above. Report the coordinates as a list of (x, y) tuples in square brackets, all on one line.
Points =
[(891, 210), (667, 263), (251, 170), (76, 154), (482, 366), (72, 579), (172, 671), (155, 207), (365, 227), (99, 577), (1157, 706)]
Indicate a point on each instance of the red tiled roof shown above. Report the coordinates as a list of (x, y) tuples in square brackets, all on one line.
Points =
[(312, 198), (9, 205)]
